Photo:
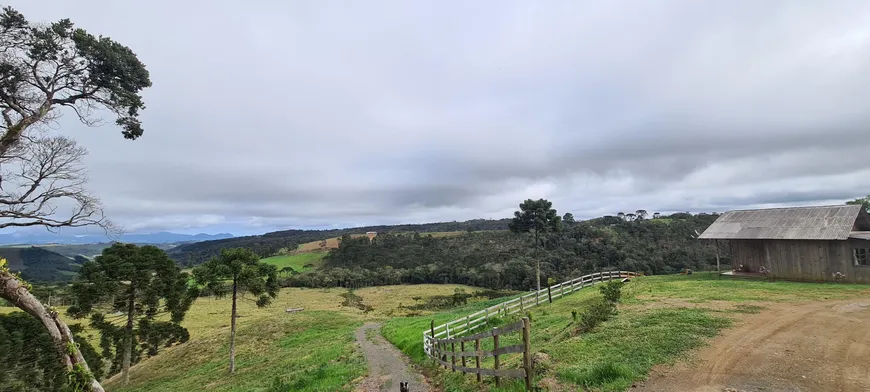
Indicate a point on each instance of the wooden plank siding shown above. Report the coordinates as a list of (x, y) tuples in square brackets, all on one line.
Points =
[(805, 260)]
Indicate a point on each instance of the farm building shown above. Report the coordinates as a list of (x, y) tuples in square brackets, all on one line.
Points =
[(829, 243)]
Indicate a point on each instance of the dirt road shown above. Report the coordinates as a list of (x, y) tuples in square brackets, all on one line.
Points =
[(387, 365), (819, 346)]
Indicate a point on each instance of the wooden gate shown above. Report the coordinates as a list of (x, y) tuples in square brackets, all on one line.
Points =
[(444, 349)]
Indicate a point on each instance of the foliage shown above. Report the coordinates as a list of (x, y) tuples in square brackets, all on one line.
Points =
[(269, 244), (53, 65), (30, 360), (611, 290), (501, 260), (862, 201), (140, 283), (595, 312), (536, 217), (238, 270)]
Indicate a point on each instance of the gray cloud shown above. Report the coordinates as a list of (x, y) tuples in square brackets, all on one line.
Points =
[(283, 114)]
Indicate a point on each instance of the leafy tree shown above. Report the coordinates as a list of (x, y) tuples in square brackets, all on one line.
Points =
[(641, 214), (862, 201), (30, 362), (620, 215), (630, 217), (142, 282), (568, 218), (49, 66), (236, 270), (46, 67), (656, 215), (539, 218)]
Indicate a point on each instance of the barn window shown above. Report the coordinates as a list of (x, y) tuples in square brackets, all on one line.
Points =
[(862, 256)]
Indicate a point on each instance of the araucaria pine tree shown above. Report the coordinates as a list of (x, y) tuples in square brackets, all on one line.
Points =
[(141, 283), (234, 271)]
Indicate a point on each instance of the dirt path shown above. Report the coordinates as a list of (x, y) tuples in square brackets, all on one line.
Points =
[(387, 365), (819, 346)]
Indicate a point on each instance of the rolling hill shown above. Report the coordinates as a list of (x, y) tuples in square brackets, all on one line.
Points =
[(268, 244), (41, 265)]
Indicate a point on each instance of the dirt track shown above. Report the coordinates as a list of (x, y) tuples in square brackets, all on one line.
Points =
[(819, 346), (387, 365)]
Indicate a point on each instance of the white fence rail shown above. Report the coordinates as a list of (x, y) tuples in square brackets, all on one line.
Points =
[(468, 323)]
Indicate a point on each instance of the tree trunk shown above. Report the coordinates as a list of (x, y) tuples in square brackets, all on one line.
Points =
[(233, 332), (537, 265), (12, 290), (128, 338)]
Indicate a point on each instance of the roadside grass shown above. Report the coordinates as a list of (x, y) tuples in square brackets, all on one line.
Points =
[(660, 320), (296, 261)]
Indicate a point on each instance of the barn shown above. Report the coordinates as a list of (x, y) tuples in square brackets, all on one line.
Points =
[(825, 243)]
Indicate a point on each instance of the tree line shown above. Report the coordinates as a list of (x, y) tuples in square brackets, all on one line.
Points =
[(511, 259)]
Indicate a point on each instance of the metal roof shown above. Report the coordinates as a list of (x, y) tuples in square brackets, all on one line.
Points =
[(795, 223)]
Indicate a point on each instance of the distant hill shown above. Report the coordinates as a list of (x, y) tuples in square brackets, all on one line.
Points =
[(163, 237), (41, 265), (268, 244)]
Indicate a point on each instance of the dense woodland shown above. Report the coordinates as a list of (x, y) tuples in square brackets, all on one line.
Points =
[(270, 243), (505, 260)]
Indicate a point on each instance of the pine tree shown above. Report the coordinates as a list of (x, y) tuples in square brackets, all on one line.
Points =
[(141, 282), (236, 270)]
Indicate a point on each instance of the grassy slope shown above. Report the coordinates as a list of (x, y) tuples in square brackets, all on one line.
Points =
[(660, 319), (296, 261), (308, 351)]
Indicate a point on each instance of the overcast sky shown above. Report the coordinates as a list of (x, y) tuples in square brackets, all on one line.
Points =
[(267, 115)]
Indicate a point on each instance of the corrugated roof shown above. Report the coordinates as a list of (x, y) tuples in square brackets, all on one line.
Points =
[(795, 223)]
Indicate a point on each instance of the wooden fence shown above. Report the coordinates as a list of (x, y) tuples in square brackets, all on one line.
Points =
[(468, 324), (443, 348)]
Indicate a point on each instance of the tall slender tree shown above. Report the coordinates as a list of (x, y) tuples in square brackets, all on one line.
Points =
[(540, 219), (641, 214), (141, 282), (234, 271)]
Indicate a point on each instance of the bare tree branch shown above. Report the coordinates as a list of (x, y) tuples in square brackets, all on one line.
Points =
[(49, 176)]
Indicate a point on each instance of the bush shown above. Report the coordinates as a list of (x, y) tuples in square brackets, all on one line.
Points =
[(611, 291), (597, 311)]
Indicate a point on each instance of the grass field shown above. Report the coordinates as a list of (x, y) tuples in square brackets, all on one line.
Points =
[(296, 261), (311, 350), (660, 319)]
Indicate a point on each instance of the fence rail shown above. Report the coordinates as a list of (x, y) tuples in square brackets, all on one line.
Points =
[(444, 348), (476, 320)]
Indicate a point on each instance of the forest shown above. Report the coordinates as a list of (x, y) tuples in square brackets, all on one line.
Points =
[(505, 260), (269, 244)]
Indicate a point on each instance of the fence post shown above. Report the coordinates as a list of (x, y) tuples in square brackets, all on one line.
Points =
[(462, 349), (447, 328), (466, 325), (522, 307), (527, 353), (549, 295), (495, 356), (562, 287), (486, 314), (477, 357), (453, 356), (432, 336)]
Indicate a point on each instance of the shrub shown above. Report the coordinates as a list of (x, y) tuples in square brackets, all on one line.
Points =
[(596, 311), (611, 290)]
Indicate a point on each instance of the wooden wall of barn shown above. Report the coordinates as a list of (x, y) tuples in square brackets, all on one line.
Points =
[(809, 260)]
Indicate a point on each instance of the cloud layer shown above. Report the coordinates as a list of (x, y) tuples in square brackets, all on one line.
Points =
[(293, 114)]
